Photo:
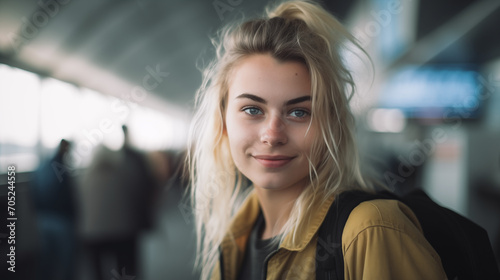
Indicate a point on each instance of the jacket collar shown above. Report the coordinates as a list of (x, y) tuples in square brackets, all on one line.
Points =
[(248, 213), (310, 225), (246, 216)]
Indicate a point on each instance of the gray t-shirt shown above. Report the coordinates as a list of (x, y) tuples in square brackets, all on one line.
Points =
[(256, 252)]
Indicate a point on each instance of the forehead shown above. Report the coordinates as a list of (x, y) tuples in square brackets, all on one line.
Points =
[(263, 75)]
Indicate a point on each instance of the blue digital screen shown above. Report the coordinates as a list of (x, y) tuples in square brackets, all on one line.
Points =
[(433, 92)]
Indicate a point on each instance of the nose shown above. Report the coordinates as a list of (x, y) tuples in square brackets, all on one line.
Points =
[(274, 132)]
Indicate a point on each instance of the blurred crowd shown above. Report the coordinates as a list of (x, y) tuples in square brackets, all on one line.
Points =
[(99, 214)]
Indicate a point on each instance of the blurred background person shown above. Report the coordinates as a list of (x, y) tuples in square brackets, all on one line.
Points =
[(116, 196), (53, 195)]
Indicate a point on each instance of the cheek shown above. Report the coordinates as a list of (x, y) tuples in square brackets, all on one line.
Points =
[(309, 140), (230, 128), (236, 135), (238, 147), (238, 138), (310, 136), (320, 151)]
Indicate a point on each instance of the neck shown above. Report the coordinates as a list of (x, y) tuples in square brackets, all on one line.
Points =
[(276, 207)]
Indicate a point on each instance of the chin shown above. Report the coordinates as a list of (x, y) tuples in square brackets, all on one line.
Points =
[(272, 185), (267, 185)]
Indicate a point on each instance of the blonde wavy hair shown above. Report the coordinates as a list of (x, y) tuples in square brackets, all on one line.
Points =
[(293, 30)]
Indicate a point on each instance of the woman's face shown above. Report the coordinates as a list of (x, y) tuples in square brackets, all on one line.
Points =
[(267, 121)]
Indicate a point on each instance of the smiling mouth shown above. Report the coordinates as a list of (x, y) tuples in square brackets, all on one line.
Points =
[(273, 161)]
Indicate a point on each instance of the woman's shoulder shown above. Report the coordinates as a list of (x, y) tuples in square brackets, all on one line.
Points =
[(385, 213), (378, 217), (381, 233), (376, 220)]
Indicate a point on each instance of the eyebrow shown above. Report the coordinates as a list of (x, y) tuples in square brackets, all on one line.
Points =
[(298, 100), (261, 100), (252, 97)]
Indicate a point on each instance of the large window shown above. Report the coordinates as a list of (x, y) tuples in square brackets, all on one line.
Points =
[(19, 121), (36, 113)]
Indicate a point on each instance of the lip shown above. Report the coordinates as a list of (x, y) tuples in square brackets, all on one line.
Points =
[(273, 161)]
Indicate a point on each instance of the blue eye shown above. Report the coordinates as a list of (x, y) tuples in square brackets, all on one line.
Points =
[(252, 111), (299, 113)]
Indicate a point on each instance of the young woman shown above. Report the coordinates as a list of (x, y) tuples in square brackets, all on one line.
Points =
[(273, 110)]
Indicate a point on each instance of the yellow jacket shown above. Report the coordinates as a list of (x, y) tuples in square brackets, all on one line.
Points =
[(382, 239)]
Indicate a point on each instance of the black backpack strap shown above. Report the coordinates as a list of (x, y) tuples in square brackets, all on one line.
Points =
[(329, 257), (462, 245)]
